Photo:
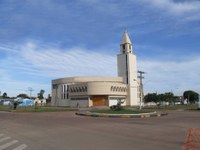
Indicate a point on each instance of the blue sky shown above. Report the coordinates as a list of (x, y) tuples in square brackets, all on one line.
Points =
[(41, 40)]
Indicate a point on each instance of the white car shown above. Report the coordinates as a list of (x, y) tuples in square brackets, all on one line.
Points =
[(7, 103)]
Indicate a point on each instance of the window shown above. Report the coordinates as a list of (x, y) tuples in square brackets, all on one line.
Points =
[(82, 89), (79, 89), (67, 91), (55, 86), (117, 89), (64, 91), (123, 89), (111, 88), (114, 89), (123, 46)]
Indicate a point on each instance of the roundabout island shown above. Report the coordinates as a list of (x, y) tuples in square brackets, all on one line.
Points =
[(124, 113)]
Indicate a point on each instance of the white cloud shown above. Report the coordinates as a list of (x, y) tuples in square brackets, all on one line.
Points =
[(190, 10), (67, 62), (47, 62), (165, 76), (32, 64), (6, 48), (35, 66)]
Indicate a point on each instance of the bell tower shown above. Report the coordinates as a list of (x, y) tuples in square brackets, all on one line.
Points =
[(127, 68)]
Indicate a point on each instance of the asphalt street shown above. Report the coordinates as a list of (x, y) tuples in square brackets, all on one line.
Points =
[(66, 131)]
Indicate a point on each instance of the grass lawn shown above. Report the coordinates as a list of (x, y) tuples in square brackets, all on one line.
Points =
[(174, 107), (123, 111), (33, 109), (192, 107)]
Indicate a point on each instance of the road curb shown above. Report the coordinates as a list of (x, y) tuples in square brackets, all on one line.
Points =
[(142, 115)]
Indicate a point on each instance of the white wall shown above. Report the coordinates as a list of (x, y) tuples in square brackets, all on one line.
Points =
[(81, 103), (121, 66), (57, 97), (131, 69), (114, 102)]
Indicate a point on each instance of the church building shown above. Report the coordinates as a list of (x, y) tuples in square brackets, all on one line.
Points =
[(88, 91)]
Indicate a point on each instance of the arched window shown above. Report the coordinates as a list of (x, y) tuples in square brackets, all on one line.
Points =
[(111, 88), (82, 89), (117, 89), (124, 89), (114, 88)]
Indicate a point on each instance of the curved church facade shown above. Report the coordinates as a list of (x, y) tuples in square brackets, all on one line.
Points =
[(101, 91)]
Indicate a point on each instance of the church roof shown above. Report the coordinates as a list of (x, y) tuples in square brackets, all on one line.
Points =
[(125, 38)]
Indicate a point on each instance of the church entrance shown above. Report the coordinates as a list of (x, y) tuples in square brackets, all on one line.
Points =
[(99, 100)]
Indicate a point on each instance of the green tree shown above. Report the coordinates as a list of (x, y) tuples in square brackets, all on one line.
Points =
[(41, 94), (168, 97), (151, 97), (191, 96), (5, 95), (22, 95), (157, 98)]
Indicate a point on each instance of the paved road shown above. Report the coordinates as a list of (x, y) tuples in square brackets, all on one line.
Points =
[(66, 131)]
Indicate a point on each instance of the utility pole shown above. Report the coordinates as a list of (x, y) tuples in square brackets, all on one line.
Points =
[(30, 89), (199, 103), (140, 76)]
